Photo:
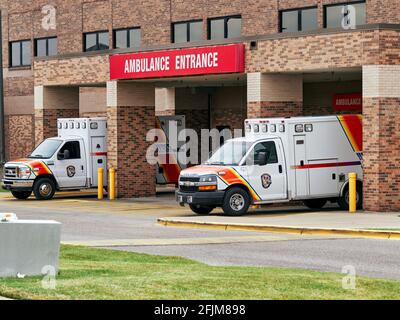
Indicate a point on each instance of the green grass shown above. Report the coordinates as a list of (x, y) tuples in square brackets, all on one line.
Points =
[(101, 274), (3, 190)]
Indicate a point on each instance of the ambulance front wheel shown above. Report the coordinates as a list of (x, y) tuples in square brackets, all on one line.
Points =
[(201, 210), (44, 189), (236, 202)]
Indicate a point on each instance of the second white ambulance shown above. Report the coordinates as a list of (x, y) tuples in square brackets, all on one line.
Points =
[(279, 160)]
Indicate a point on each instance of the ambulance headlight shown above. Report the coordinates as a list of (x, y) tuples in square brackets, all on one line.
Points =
[(24, 172), (209, 179)]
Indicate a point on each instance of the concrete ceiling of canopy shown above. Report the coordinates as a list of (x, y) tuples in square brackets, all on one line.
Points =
[(200, 81)]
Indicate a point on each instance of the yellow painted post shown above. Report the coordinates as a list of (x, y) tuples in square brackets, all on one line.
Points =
[(100, 183), (353, 192), (112, 184)]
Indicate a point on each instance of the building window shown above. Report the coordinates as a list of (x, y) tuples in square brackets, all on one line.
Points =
[(187, 31), (298, 20), (342, 15), (127, 38), (224, 28), (20, 53), (46, 47), (95, 41)]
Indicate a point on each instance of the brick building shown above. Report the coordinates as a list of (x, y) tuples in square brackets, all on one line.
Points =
[(298, 57)]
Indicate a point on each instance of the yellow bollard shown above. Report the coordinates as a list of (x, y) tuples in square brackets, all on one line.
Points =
[(100, 183), (352, 192), (111, 185)]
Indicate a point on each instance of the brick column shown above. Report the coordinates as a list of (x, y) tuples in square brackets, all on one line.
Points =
[(52, 103), (130, 115), (381, 98), (274, 95)]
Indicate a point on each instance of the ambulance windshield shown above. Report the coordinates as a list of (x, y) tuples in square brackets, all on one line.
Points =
[(230, 154), (46, 149)]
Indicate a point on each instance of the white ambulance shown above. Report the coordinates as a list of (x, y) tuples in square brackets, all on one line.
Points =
[(71, 160), (67, 162), (279, 160)]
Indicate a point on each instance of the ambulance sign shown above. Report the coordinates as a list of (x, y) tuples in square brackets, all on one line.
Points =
[(183, 62), (347, 102)]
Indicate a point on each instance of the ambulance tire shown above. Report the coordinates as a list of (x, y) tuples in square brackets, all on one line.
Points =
[(315, 204), (200, 210), (21, 195), (237, 202), (44, 189), (343, 201)]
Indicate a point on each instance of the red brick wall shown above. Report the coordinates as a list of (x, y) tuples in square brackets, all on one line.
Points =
[(46, 122), (19, 133), (382, 154), (266, 109), (127, 147)]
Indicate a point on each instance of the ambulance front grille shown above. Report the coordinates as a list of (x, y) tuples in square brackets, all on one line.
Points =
[(10, 172), (189, 188)]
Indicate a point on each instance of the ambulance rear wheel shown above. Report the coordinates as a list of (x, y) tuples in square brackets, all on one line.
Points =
[(237, 202), (44, 189), (315, 204), (21, 195), (200, 209), (343, 201)]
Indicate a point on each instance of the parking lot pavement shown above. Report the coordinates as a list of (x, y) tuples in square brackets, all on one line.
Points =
[(131, 225)]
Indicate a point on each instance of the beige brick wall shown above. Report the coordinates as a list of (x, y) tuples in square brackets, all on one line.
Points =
[(92, 101)]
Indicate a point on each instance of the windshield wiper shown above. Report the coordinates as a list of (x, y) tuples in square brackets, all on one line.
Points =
[(39, 156)]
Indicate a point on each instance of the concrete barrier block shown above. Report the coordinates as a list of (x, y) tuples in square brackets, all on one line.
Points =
[(26, 247)]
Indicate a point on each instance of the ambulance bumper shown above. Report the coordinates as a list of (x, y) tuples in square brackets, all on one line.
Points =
[(209, 199), (20, 185)]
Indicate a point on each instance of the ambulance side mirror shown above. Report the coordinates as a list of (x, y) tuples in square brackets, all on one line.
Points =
[(262, 159), (64, 155)]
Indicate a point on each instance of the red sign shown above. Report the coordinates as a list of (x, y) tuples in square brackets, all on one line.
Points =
[(347, 101), (183, 62)]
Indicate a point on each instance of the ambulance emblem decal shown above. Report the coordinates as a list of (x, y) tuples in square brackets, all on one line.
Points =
[(71, 171), (266, 181)]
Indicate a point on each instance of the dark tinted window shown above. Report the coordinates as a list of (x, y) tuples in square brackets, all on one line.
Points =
[(20, 53), (187, 31), (299, 20), (96, 41), (223, 28), (46, 47), (74, 150), (269, 149), (350, 14), (127, 38)]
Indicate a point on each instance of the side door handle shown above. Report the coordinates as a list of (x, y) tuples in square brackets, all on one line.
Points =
[(280, 169)]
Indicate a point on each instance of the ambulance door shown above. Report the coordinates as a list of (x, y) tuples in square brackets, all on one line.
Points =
[(98, 159), (301, 168), (70, 165), (268, 179)]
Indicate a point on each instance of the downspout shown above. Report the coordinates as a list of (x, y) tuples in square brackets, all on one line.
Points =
[(2, 131)]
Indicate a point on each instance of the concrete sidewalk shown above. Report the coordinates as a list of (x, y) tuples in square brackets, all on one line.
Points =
[(321, 219), (296, 220)]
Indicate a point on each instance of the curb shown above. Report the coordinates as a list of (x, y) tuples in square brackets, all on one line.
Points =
[(388, 235)]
